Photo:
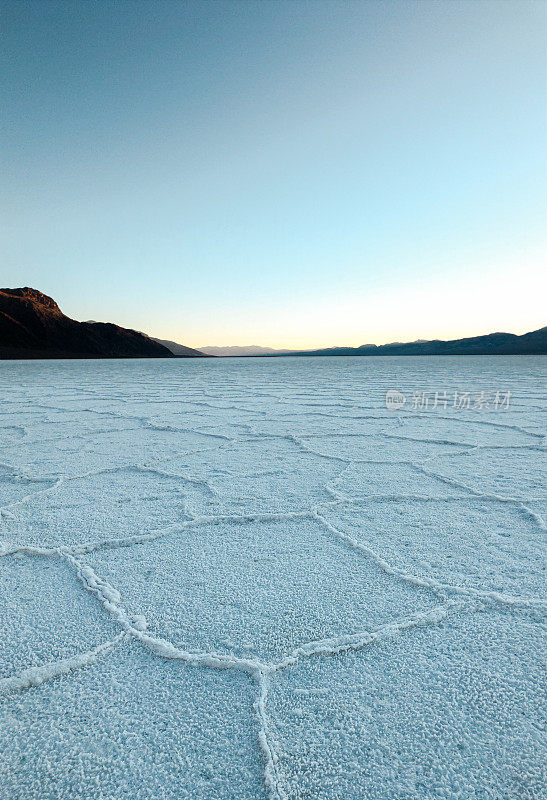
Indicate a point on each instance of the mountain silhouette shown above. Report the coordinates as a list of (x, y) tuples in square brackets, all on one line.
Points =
[(33, 326), (533, 343)]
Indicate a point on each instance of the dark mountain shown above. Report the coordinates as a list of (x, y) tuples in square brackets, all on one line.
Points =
[(532, 343), (181, 349), (33, 326), (176, 348)]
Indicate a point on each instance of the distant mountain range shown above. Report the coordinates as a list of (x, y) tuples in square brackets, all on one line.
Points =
[(33, 326), (249, 350), (255, 350), (532, 343)]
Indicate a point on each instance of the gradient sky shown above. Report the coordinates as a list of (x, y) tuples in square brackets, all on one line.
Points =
[(291, 174)]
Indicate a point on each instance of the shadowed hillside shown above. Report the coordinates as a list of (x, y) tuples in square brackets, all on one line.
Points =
[(33, 326)]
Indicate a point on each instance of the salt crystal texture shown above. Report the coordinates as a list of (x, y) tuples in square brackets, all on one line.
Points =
[(240, 579)]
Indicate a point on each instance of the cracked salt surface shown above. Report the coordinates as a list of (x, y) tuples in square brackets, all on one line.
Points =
[(132, 726), (109, 505), (254, 588), (438, 538), (247, 579), (44, 615), (448, 711), (516, 473)]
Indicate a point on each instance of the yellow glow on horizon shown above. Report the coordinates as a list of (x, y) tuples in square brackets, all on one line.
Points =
[(506, 298)]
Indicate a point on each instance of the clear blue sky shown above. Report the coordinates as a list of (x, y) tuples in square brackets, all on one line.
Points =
[(291, 174)]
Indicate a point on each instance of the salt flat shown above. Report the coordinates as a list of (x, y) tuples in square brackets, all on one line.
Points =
[(249, 579)]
